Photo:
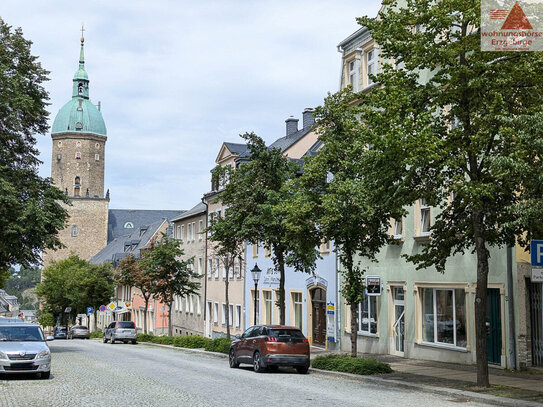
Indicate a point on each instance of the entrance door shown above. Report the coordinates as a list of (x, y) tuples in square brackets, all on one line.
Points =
[(398, 326), (536, 319), (494, 327), (318, 301)]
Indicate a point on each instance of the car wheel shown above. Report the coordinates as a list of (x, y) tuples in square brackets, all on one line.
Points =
[(104, 339), (257, 363), (302, 369), (112, 340), (134, 342), (45, 375), (232, 359)]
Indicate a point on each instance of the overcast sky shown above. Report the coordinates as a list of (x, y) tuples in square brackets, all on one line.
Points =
[(177, 78)]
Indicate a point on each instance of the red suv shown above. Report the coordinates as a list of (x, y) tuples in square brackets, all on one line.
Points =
[(270, 346)]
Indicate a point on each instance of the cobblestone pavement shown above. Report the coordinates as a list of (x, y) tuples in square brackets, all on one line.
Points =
[(91, 373)]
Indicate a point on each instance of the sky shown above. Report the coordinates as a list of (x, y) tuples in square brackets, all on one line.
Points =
[(177, 78)]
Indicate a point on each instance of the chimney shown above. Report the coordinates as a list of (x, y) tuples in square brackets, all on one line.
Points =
[(292, 125), (308, 117)]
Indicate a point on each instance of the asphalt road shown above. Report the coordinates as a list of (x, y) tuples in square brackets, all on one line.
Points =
[(91, 373)]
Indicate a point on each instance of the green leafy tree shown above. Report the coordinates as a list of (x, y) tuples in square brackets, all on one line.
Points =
[(97, 287), (336, 194), (462, 129), (22, 280), (130, 273), (46, 319), (31, 213), (172, 276), (255, 194)]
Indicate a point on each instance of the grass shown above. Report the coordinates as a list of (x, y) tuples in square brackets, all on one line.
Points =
[(348, 364), (221, 345)]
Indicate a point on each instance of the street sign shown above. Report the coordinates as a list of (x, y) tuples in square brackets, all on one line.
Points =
[(68, 310), (537, 275), (117, 308), (90, 310), (111, 306), (373, 285), (102, 308), (128, 304), (536, 252)]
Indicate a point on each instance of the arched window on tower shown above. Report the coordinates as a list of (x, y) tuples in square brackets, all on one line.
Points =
[(77, 186), (80, 89)]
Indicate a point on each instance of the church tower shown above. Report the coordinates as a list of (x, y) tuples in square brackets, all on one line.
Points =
[(77, 168)]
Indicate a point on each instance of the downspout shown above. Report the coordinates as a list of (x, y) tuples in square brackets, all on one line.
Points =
[(511, 309), (338, 299), (341, 69), (206, 270)]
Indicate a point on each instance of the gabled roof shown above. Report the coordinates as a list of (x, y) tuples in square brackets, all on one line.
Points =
[(236, 148), (198, 209), (286, 142), (230, 149), (119, 218), (132, 243)]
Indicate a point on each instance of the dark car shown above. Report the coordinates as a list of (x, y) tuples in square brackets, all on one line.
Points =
[(79, 331), (270, 346), (60, 332), (124, 331)]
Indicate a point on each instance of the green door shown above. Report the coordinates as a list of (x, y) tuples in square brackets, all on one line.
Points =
[(494, 327)]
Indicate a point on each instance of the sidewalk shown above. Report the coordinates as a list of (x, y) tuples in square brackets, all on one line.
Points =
[(439, 372)]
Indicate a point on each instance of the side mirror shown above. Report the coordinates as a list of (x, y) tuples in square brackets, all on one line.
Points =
[(50, 338), (238, 336)]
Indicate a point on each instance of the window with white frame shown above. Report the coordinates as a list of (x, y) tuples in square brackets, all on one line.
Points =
[(224, 311), (193, 231), (199, 305), (231, 272), (424, 218), (268, 306), (182, 237), (231, 314), (178, 234), (191, 304), (371, 63), (217, 267), (367, 314), (298, 313), (186, 303), (189, 232), (209, 268), (216, 313), (353, 74), (444, 316), (223, 272), (200, 229), (397, 232), (200, 266), (238, 316)]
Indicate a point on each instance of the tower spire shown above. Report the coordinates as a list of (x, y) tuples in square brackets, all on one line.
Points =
[(81, 53), (81, 79)]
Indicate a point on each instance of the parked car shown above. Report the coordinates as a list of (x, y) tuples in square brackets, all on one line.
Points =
[(124, 331), (23, 350), (270, 346), (60, 332), (78, 331)]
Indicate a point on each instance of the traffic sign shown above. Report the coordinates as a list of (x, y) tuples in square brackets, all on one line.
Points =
[(90, 310), (102, 308), (68, 310), (536, 252), (111, 306), (127, 304)]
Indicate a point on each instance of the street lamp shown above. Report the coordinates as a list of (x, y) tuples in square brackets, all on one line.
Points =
[(256, 276)]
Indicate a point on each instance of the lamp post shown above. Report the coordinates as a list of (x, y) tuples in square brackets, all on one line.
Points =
[(256, 276)]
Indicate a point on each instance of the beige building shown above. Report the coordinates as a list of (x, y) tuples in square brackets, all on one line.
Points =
[(188, 229)]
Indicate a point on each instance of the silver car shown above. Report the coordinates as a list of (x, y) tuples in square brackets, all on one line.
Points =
[(23, 350), (123, 331)]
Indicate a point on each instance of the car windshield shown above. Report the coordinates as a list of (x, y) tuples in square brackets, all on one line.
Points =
[(20, 334), (126, 324)]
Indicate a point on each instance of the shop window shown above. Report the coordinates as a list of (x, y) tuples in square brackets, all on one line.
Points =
[(367, 314), (298, 307)]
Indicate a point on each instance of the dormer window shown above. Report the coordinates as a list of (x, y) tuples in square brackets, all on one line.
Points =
[(129, 225)]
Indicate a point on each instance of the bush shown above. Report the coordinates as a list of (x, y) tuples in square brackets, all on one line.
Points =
[(221, 345), (145, 337), (348, 364), (97, 334), (193, 341), (163, 340)]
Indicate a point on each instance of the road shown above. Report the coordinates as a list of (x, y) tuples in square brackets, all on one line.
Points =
[(91, 373)]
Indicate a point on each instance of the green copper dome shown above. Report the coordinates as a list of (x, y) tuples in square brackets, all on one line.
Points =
[(79, 114)]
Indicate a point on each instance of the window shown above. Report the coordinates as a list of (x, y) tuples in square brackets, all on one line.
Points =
[(74, 231), (367, 315), (231, 272), (219, 214), (325, 247), (268, 304), (267, 252), (223, 272), (77, 186), (78, 156), (217, 266), (398, 229), (199, 305), (96, 157), (216, 313), (353, 74), (238, 316), (223, 317), (189, 232), (193, 231), (129, 225), (97, 145), (182, 237), (209, 222), (444, 316), (297, 301), (209, 268), (231, 314), (255, 250), (78, 143), (80, 92), (200, 267), (371, 63), (200, 229), (178, 234), (191, 304), (187, 303), (424, 218)]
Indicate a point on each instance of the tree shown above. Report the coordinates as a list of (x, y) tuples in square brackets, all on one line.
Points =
[(172, 276), (20, 281), (46, 319), (132, 274), (255, 194), (31, 213), (336, 194), (460, 128), (97, 287)]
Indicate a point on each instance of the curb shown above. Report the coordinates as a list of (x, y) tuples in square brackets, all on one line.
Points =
[(187, 350)]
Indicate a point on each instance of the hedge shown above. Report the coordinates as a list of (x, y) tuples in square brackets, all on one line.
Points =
[(348, 364), (221, 345), (96, 334)]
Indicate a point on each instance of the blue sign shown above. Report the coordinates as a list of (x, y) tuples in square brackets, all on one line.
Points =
[(536, 252), (90, 310)]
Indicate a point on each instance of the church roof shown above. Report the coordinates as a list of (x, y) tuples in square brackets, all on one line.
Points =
[(125, 221), (79, 114)]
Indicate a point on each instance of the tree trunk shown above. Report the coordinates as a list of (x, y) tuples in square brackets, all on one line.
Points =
[(227, 301), (170, 329), (145, 314), (281, 263), (481, 300), (95, 320), (354, 328)]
